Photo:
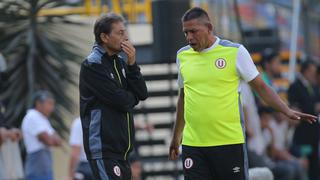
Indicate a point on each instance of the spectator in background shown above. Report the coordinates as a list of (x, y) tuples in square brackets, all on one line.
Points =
[(317, 104), (302, 95), (282, 169), (13, 134), (134, 158), (39, 136), (79, 167), (251, 116), (135, 165), (279, 126), (255, 142), (271, 65)]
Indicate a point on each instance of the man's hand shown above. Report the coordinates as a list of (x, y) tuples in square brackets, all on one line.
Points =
[(56, 140), (298, 116), (273, 100), (4, 134), (15, 134), (128, 48), (174, 148)]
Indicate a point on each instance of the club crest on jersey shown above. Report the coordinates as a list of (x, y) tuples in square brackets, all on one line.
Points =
[(117, 171), (220, 63)]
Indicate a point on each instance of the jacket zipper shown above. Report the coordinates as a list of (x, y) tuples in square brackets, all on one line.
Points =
[(128, 122)]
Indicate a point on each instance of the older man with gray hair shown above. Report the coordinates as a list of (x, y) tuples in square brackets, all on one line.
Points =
[(109, 89)]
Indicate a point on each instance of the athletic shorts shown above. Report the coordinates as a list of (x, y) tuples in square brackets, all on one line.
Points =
[(110, 169), (215, 163)]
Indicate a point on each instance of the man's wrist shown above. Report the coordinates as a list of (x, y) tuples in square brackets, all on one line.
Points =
[(131, 61), (132, 67)]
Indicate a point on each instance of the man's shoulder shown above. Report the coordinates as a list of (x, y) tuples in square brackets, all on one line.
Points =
[(228, 43), (95, 57), (32, 117), (185, 48), (93, 60), (32, 113)]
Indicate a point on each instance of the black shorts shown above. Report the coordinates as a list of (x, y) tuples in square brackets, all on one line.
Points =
[(215, 163), (110, 169)]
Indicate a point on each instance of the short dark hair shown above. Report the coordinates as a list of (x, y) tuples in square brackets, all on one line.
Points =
[(41, 96), (195, 13), (104, 24), (267, 56), (306, 64)]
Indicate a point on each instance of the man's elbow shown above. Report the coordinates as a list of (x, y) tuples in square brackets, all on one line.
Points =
[(142, 93), (128, 107), (144, 96)]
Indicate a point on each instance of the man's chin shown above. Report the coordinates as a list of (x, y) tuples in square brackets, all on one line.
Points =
[(118, 50), (194, 47)]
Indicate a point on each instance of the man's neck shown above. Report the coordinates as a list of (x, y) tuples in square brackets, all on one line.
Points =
[(41, 112), (212, 40), (108, 50)]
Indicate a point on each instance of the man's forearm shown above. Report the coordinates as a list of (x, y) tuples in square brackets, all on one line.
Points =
[(268, 95), (179, 124), (273, 100), (72, 166), (137, 82), (74, 160)]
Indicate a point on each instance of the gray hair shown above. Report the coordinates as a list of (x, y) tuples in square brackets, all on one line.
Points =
[(104, 24), (41, 96)]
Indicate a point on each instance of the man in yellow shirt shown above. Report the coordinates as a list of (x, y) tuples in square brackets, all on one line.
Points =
[(209, 121)]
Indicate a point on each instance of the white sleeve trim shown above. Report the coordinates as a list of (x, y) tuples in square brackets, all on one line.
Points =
[(246, 69)]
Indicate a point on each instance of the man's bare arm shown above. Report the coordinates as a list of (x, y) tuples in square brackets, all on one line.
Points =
[(273, 100), (178, 128)]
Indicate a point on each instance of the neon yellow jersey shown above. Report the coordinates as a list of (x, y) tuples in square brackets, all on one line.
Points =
[(211, 96)]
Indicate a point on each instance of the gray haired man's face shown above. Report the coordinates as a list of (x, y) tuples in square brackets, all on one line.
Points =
[(116, 37)]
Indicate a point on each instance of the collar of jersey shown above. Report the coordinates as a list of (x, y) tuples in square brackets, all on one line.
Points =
[(100, 49), (213, 45)]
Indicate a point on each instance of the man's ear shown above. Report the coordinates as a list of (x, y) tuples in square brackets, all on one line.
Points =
[(104, 37), (210, 27)]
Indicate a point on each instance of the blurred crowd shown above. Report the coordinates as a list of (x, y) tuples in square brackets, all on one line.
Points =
[(290, 149), (39, 137)]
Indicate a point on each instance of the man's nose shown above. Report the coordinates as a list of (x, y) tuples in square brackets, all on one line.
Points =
[(126, 37), (189, 37)]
